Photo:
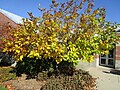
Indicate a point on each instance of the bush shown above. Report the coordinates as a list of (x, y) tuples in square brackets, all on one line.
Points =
[(6, 59), (65, 32), (80, 80), (66, 68), (32, 66)]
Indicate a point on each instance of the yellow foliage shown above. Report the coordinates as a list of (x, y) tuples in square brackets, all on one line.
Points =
[(16, 46), (62, 34), (28, 38), (21, 57), (37, 44), (58, 60), (5, 50), (91, 59), (17, 51), (34, 54), (47, 22), (27, 42)]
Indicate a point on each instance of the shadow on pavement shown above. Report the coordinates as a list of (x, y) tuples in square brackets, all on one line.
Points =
[(112, 71), (116, 72)]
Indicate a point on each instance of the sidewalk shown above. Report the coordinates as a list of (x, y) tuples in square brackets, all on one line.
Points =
[(105, 79)]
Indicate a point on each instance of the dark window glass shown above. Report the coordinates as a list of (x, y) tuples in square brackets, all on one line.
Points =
[(110, 55), (110, 61), (103, 56), (103, 61)]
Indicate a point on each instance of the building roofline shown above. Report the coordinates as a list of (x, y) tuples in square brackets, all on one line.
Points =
[(15, 18)]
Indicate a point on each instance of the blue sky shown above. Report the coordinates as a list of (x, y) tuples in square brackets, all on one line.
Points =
[(21, 7)]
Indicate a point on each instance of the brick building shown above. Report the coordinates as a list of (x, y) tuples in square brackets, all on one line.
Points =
[(7, 17), (109, 60)]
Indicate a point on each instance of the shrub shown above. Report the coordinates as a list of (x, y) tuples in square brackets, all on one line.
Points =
[(64, 33), (63, 68), (80, 80), (66, 68), (6, 59), (32, 66)]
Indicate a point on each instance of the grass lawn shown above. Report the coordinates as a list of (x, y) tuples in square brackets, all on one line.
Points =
[(2, 88), (6, 74)]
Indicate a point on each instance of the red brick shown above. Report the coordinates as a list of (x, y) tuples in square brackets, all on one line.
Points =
[(118, 34), (117, 52), (117, 58), (4, 20), (117, 48)]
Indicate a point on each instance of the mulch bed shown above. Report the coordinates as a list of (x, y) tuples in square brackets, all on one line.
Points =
[(23, 84)]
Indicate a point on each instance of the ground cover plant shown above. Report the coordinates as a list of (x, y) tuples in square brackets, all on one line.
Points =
[(80, 80)]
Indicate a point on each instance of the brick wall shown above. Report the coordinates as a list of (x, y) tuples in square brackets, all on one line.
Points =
[(117, 54), (118, 34), (117, 50), (4, 20)]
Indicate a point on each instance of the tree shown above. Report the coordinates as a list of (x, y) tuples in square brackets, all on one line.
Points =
[(69, 31)]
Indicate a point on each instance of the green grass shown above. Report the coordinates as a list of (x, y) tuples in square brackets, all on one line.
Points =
[(2, 88)]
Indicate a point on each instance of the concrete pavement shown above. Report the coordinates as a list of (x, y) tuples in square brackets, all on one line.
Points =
[(105, 79)]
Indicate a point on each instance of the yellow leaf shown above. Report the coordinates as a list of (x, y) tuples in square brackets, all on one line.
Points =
[(47, 22), (37, 44), (49, 28), (8, 43), (28, 38), (36, 54), (21, 39), (26, 42), (17, 51), (58, 61), (16, 45), (15, 34), (53, 29), (91, 59), (21, 57), (32, 53), (106, 52), (4, 50), (33, 43), (48, 47)]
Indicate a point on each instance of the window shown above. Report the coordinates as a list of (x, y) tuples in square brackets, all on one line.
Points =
[(107, 59)]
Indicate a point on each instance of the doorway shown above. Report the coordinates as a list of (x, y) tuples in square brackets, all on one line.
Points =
[(107, 59)]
